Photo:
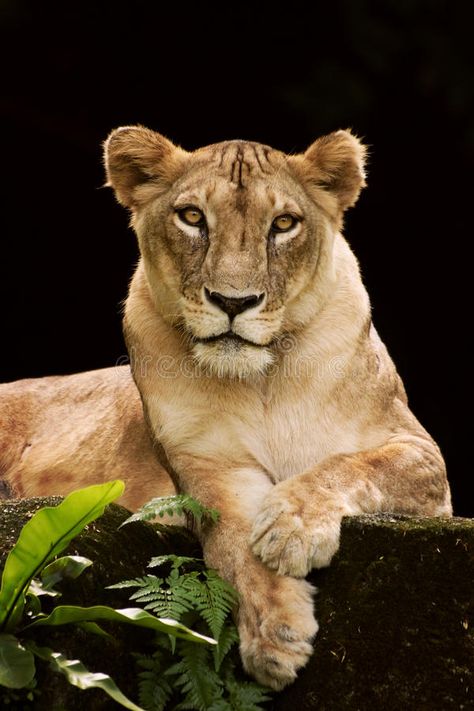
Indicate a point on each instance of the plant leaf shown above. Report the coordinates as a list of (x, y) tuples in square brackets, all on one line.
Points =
[(17, 665), (213, 598), (37, 588), (195, 677), (170, 505), (94, 628), (176, 560), (45, 535), (77, 675), (154, 688), (69, 566), (147, 581), (246, 695), (227, 638), (65, 614)]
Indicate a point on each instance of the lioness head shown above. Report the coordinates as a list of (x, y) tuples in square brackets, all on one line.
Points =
[(236, 238)]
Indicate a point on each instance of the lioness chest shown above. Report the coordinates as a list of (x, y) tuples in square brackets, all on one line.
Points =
[(280, 431)]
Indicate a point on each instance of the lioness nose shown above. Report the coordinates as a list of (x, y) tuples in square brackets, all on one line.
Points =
[(232, 305)]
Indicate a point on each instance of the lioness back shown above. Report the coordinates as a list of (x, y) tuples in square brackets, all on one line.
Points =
[(58, 434)]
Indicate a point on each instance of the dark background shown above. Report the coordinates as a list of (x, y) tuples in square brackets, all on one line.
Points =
[(398, 72)]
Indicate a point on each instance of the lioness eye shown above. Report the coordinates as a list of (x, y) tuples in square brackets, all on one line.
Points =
[(283, 223), (191, 216)]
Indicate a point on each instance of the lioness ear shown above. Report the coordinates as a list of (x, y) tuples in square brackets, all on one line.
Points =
[(336, 163), (138, 162)]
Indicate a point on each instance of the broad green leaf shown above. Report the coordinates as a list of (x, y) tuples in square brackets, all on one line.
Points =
[(69, 566), (45, 535), (94, 628), (33, 605), (77, 675), (37, 588), (65, 614), (17, 665)]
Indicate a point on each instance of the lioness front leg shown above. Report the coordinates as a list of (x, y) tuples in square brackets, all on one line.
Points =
[(275, 615), (298, 525)]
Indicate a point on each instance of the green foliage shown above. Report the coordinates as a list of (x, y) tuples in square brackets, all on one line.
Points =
[(67, 567), (42, 538), (227, 638), (213, 598), (200, 590), (193, 683), (77, 675), (178, 505), (67, 614), (200, 685), (244, 696), (154, 687), (181, 675), (17, 664), (178, 674), (165, 598)]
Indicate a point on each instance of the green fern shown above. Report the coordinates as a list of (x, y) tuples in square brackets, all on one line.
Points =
[(246, 695), (148, 582), (199, 684), (154, 689), (164, 597), (226, 640), (202, 679), (213, 598), (179, 505), (180, 675), (177, 561)]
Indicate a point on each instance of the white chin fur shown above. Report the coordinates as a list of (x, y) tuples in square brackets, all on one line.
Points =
[(232, 360)]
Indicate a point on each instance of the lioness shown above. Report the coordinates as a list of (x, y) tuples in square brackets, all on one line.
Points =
[(259, 368), (266, 389)]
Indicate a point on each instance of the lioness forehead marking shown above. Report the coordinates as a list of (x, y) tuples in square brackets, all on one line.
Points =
[(238, 160)]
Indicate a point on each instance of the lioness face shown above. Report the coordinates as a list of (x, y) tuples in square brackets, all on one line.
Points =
[(235, 237)]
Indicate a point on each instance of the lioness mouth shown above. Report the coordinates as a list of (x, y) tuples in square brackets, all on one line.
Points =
[(228, 336)]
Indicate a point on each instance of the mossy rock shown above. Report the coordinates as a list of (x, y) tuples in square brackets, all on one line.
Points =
[(396, 616), (396, 613)]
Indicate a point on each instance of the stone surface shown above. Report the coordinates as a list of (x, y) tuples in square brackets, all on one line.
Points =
[(396, 613)]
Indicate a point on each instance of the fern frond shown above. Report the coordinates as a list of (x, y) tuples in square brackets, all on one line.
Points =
[(170, 505), (221, 705), (176, 560), (147, 596), (246, 695), (202, 679), (169, 606), (227, 638), (198, 683), (151, 582), (213, 598), (154, 690)]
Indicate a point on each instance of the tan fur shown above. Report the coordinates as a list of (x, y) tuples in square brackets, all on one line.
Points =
[(303, 422), (300, 421), (58, 434)]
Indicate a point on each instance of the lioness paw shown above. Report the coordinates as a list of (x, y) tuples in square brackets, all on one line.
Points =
[(293, 541), (276, 639)]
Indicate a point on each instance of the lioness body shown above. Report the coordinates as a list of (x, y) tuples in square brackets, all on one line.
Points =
[(58, 434), (261, 375)]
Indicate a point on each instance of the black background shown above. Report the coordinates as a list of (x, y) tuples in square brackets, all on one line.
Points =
[(398, 72)]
